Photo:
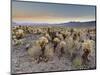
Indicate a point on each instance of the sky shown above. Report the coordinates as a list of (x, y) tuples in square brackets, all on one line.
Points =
[(51, 13)]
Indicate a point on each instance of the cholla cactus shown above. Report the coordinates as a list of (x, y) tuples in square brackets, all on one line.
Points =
[(69, 42), (48, 53), (35, 52), (42, 41), (88, 44), (13, 36), (17, 42), (87, 47), (62, 44), (61, 48), (60, 36), (71, 45), (47, 36), (19, 33), (39, 31), (56, 42)]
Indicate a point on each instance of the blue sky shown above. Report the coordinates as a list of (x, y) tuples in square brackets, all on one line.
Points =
[(51, 13)]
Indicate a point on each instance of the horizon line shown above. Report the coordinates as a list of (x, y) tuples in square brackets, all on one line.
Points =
[(49, 22)]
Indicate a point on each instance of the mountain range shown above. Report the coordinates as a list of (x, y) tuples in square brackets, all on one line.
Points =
[(69, 24)]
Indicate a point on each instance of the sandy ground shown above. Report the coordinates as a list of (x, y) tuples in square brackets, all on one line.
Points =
[(23, 63)]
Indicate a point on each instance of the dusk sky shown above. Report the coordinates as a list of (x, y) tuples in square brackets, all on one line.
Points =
[(51, 13)]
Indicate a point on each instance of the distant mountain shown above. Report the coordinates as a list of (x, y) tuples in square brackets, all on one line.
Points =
[(80, 24), (27, 24), (68, 24)]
